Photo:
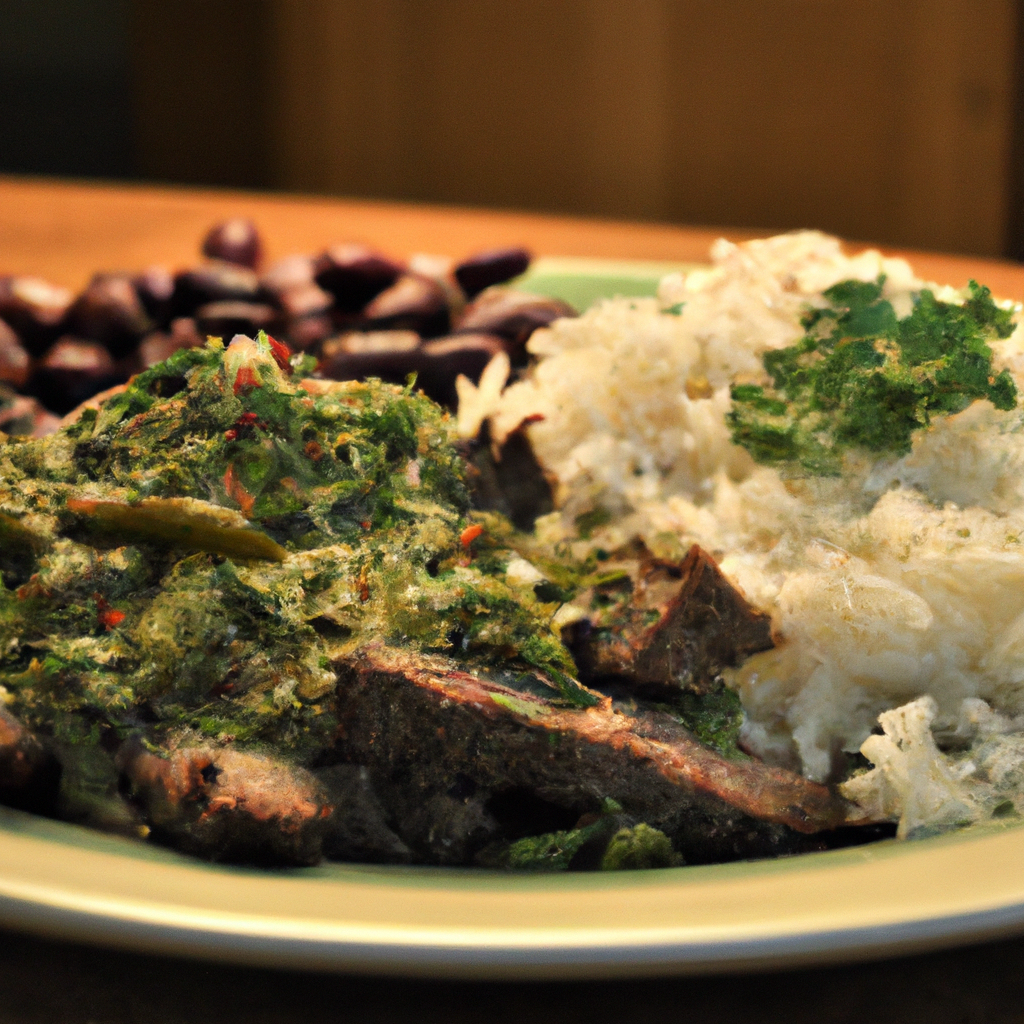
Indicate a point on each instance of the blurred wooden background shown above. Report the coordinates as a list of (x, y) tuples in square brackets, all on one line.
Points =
[(891, 120)]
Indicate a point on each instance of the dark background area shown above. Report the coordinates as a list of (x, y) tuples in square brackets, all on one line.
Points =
[(65, 88), (979, 985), (897, 121)]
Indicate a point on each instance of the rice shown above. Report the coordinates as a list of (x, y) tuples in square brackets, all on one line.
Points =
[(897, 586)]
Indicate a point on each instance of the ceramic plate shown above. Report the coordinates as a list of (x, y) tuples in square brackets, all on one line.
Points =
[(867, 901)]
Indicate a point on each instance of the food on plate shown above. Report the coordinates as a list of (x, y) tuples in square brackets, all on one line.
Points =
[(359, 312), (846, 440), (732, 572), (255, 617)]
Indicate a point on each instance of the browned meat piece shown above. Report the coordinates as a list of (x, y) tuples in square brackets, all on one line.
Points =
[(656, 624), (422, 725), (228, 804), (507, 478), (29, 774), (358, 829)]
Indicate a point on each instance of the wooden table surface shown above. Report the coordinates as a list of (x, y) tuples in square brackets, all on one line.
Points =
[(65, 232)]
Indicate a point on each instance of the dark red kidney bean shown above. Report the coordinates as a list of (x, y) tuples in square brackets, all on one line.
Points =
[(412, 303), (308, 333), (443, 359), (226, 319), (495, 266), (161, 345), (216, 282), (44, 422), (14, 360), (24, 416), (354, 274), (512, 315), (71, 371), (290, 272), (389, 355), (34, 309), (235, 241), (109, 311), (154, 287), (303, 300)]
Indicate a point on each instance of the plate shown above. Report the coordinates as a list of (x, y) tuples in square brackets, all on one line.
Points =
[(870, 901)]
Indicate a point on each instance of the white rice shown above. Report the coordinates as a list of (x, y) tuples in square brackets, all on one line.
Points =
[(902, 583)]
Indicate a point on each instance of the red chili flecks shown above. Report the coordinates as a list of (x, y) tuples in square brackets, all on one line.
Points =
[(108, 617), (32, 589), (534, 417), (366, 524), (470, 534), (231, 435), (281, 353), (246, 380), (247, 419), (111, 618), (364, 585), (237, 491)]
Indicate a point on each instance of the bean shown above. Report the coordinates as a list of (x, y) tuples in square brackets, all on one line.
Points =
[(109, 311), (160, 345), (389, 355), (494, 266), (354, 274), (34, 309), (412, 303), (228, 318), (71, 371), (14, 361), (24, 416), (512, 315), (308, 333), (303, 300), (155, 286), (234, 241), (215, 282), (445, 358), (286, 273)]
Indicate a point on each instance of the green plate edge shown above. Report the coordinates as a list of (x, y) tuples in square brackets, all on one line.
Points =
[(581, 281)]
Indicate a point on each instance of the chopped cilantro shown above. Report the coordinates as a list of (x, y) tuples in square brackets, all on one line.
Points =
[(862, 378)]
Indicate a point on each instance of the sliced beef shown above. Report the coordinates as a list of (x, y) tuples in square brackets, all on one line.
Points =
[(29, 773), (358, 828), (422, 723), (227, 804), (654, 624), (507, 478)]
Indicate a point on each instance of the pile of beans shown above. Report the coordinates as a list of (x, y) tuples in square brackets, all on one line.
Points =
[(359, 312)]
